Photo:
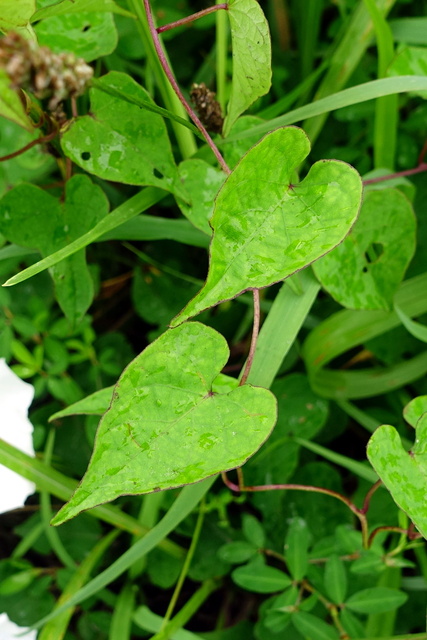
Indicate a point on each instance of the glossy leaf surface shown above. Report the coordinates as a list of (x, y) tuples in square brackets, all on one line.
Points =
[(31, 217), (202, 183), (87, 35), (120, 141), (251, 57), (364, 271), (404, 474), (266, 227), (166, 427)]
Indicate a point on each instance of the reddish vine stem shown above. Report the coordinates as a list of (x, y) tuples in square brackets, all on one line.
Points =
[(400, 174), (367, 500), (33, 143), (166, 68), (411, 535), (301, 487), (194, 16), (255, 333)]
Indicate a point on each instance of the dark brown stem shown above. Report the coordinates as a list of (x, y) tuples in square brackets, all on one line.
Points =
[(189, 19), (369, 495), (166, 68), (400, 174), (422, 153), (31, 144), (255, 333)]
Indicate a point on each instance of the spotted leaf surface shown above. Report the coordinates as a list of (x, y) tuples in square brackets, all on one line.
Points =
[(166, 427), (403, 473), (119, 141), (267, 226), (251, 45), (364, 271)]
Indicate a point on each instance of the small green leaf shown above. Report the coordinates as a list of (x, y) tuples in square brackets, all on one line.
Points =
[(296, 548), (10, 105), (166, 427), (94, 405), (364, 271), (17, 582), (404, 474), (376, 600), (202, 183), (312, 627), (31, 217), (253, 531), (415, 409), (301, 412), (266, 227), (352, 625), (335, 579), (410, 61), (256, 576), (121, 142), (236, 552), (15, 16), (86, 35), (251, 57)]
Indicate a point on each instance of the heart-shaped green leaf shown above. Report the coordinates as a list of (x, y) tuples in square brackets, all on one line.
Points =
[(251, 57), (403, 473), (415, 409), (364, 271), (166, 427), (31, 217), (266, 227), (119, 141)]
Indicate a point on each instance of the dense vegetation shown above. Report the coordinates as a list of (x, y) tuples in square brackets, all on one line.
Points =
[(254, 281)]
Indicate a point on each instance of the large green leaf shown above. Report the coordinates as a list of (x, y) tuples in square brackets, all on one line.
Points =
[(364, 271), (267, 226), (166, 427), (403, 473), (15, 16), (87, 35), (119, 141), (10, 105), (251, 57), (376, 600), (31, 217)]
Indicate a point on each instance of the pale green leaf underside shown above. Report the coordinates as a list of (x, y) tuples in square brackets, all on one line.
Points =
[(251, 57), (364, 271), (120, 141), (166, 428), (266, 227), (404, 474)]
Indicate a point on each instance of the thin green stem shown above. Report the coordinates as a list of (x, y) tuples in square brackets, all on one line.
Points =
[(221, 58), (46, 512), (186, 566), (188, 610), (192, 18), (168, 72)]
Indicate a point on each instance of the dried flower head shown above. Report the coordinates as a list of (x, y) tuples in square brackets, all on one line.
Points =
[(44, 73), (207, 107)]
